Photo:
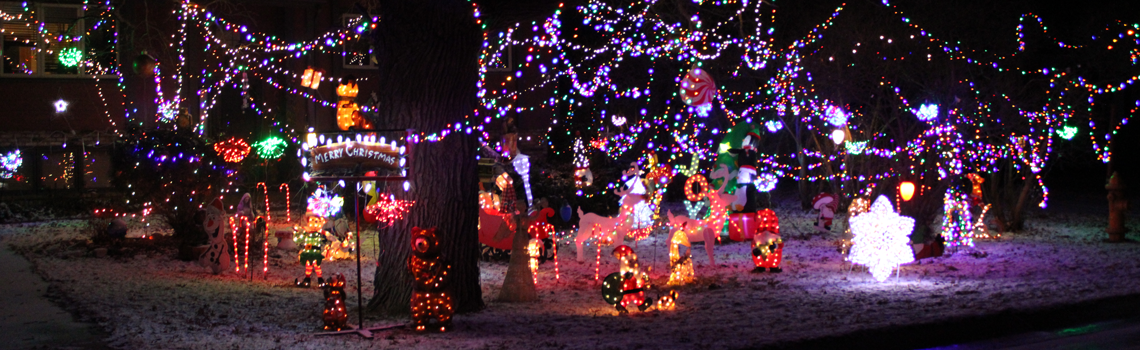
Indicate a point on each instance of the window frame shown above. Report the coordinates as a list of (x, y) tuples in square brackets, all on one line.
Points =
[(344, 18), (41, 56)]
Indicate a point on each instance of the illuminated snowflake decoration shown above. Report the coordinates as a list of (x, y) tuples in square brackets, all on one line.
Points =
[(880, 239), (325, 204), (927, 112), (9, 163)]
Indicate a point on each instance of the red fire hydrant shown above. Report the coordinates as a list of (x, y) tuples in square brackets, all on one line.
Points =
[(1117, 206)]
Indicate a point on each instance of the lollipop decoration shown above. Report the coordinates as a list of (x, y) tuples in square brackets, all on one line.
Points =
[(698, 90)]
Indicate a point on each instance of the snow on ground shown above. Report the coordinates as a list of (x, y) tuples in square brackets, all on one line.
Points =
[(154, 301)]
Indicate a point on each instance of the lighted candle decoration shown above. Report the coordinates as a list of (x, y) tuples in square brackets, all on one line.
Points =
[(881, 239)]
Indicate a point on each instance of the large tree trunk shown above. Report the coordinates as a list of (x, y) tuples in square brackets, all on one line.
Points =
[(427, 52)]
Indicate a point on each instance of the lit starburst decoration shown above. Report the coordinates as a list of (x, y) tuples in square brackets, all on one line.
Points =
[(388, 209), (325, 204), (880, 239), (232, 150), (270, 148)]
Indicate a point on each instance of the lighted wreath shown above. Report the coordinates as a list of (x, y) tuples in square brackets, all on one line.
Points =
[(232, 150)]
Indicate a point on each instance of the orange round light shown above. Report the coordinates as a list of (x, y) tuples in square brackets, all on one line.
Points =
[(906, 190)]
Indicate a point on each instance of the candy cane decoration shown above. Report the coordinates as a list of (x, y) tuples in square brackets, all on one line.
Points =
[(234, 226), (288, 216), (555, 237), (265, 259), (265, 190), (234, 232)]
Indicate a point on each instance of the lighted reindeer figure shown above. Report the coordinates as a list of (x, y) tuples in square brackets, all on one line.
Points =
[(604, 228), (706, 230)]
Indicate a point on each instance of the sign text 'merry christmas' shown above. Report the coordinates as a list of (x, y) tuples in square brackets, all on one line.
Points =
[(351, 154)]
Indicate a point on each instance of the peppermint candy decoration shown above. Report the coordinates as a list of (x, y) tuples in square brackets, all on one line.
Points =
[(698, 88)]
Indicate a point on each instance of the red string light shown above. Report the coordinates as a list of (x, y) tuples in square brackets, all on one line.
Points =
[(388, 209)]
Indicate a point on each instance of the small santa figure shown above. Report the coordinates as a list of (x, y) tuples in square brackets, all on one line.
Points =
[(827, 204)]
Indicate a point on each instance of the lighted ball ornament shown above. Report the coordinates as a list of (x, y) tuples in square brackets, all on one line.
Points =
[(70, 57), (880, 239), (698, 90), (232, 150)]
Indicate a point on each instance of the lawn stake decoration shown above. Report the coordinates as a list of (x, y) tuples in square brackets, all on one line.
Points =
[(431, 297), (335, 315), (626, 288), (681, 265), (827, 204), (215, 257), (311, 239), (880, 239), (347, 112), (767, 246)]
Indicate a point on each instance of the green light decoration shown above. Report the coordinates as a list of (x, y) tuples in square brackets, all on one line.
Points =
[(70, 56), (270, 148), (1067, 132), (856, 147)]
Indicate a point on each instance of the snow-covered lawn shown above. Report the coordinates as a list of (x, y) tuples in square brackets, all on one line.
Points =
[(154, 301)]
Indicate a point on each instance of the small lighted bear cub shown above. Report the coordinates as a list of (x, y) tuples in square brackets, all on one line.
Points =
[(335, 314), (430, 296)]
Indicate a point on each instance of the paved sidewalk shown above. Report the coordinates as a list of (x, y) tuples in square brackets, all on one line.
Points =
[(28, 320)]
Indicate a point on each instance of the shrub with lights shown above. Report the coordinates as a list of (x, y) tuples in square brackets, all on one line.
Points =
[(170, 173)]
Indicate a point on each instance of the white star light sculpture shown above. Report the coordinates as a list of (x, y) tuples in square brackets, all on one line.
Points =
[(880, 241)]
